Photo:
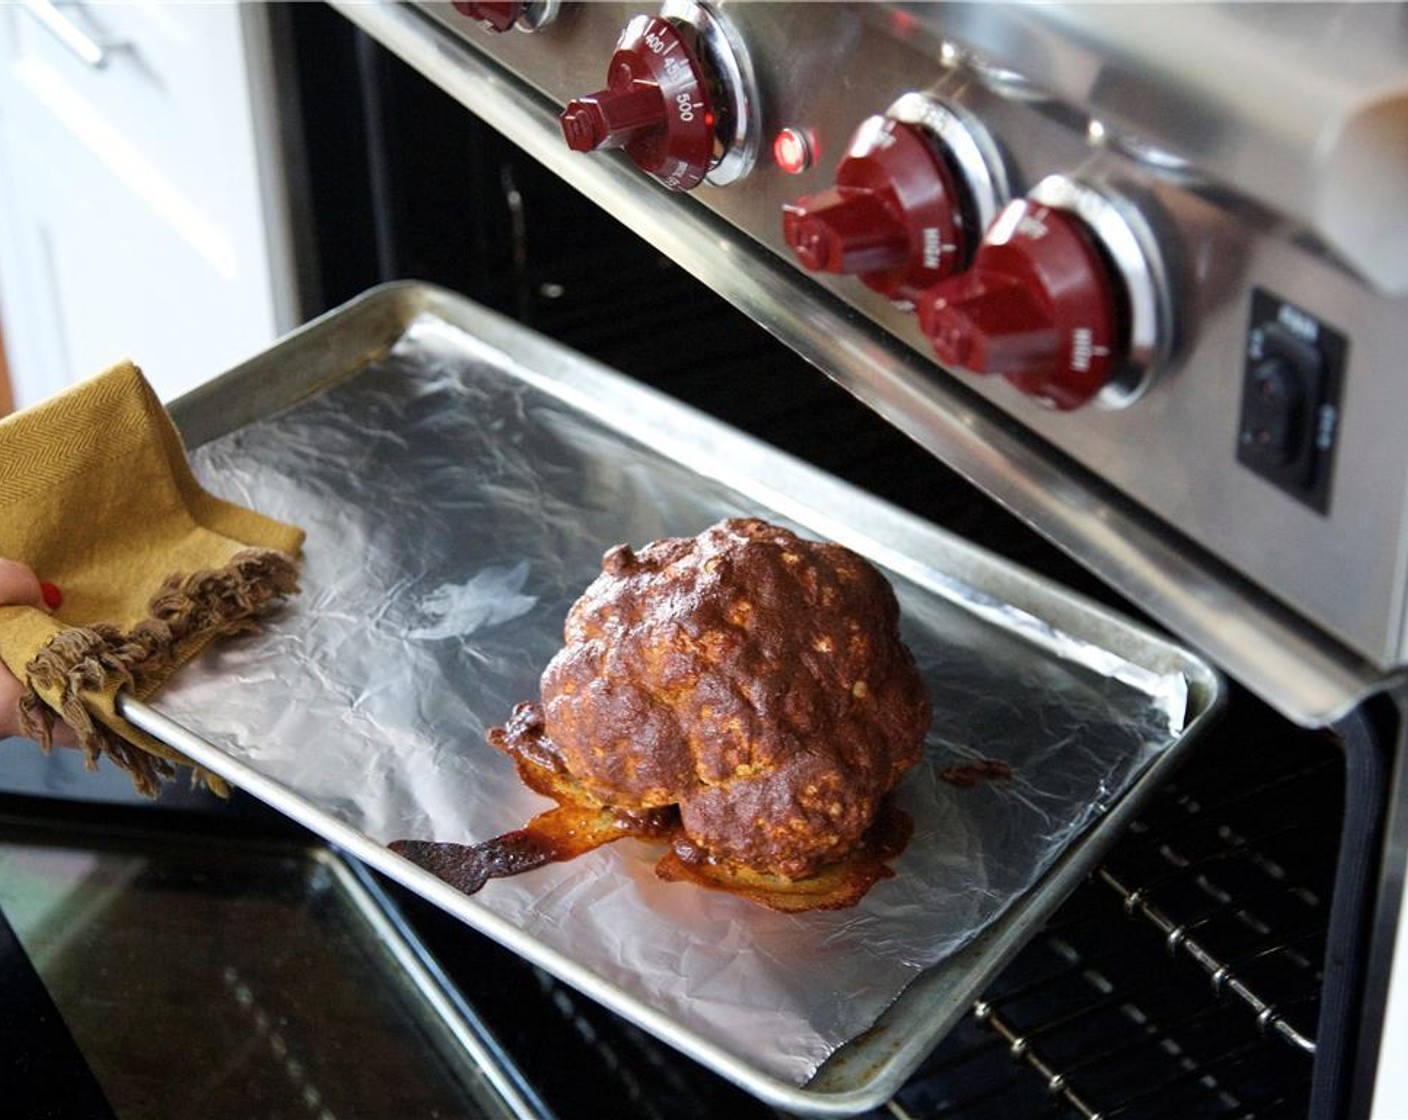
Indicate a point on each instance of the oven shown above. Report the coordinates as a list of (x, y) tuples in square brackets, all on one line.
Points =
[(1115, 292)]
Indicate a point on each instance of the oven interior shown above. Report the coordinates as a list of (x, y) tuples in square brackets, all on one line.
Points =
[(1197, 974)]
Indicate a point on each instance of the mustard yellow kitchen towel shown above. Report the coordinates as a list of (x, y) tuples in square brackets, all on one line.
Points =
[(96, 495)]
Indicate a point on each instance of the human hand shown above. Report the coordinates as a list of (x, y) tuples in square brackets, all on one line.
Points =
[(19, 586)]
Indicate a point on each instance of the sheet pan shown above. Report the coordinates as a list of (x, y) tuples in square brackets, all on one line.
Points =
[(459, 477)]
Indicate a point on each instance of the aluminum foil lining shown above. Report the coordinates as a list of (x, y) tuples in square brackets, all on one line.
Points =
[(454, 512)]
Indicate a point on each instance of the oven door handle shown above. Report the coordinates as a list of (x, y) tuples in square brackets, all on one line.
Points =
[(95, 52)]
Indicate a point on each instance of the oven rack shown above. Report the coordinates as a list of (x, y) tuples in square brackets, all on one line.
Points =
[(1182, 980), (1244, 905)]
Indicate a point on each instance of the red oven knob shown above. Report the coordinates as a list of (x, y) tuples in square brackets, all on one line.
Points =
[(892, 218), (656, 106), (677, 100), (912, 195), (1062, 300), (526, 15), (494, 17)]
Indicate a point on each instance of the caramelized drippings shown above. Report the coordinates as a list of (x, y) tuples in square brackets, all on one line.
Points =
[(969, 774), (836, 886), (580, 823), (555, 836)]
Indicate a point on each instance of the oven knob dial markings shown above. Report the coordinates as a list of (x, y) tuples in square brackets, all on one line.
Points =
[(913, 192), (1063, 299), (678, 100)]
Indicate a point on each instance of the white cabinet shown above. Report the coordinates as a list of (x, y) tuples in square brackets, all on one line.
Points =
[(142, 205)]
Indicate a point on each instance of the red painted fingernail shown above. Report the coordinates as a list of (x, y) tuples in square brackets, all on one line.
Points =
[(53, 597)]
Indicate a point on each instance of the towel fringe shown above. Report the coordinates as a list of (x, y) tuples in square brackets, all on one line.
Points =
[(186, 610)]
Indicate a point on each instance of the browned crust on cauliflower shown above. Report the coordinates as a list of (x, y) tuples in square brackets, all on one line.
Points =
[(753, 678)]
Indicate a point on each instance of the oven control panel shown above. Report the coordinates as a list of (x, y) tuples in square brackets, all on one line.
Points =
[(1138, 231)]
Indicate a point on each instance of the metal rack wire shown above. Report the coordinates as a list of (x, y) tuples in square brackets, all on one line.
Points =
[(1241, 890), (1183, 980)]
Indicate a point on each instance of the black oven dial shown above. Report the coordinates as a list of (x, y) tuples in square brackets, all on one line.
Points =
[(678, 99), (1289, 421)]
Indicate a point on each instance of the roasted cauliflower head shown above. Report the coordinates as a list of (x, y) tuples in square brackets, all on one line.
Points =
[(752, 678)]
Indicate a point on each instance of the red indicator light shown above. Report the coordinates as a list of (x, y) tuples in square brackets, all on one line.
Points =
[(791, 151)]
